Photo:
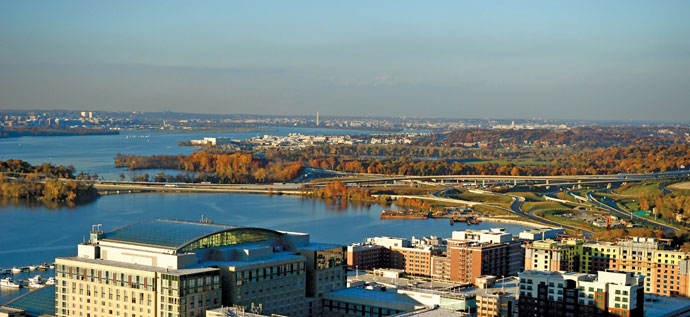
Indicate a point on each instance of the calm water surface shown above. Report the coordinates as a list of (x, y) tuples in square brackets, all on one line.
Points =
[(33, 235), (96, 153)]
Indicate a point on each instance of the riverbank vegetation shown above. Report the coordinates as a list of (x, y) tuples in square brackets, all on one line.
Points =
[(635, 159), (285, 165), (340, 191), (238, 168), (47, 183)]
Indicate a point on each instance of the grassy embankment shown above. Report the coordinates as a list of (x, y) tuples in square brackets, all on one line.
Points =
[(645, 188), (528, 196), (555, 215), (554, 210)]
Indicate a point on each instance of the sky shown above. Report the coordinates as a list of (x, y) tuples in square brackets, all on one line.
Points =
[(591, 60)]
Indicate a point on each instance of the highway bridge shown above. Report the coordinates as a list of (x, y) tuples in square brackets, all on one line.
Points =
[(532, 180), (382, 179)]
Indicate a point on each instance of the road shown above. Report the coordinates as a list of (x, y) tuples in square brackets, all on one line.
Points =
[(516, 208), (552, 180), (278, 188), (613, 209)]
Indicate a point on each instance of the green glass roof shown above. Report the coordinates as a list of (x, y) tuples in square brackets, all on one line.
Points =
[(164, 233), (179, 234)]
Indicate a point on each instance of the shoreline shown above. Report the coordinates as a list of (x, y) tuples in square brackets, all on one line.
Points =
[(513, 222), (113, 190)]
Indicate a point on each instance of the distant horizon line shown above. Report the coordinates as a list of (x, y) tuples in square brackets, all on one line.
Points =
[(322, 116)]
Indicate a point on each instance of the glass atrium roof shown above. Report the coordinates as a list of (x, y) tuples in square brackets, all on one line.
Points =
[(165, 233)]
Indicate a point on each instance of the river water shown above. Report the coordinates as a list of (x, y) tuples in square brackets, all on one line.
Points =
[(96, 153), (33, 234)]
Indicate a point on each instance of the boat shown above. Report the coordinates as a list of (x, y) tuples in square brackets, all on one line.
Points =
[(52, 266), (35, 282), (16, 270), (35, 279), (50, 281), (7, 282), (32, 267), (404, 214), (42, 267), (36, 285)]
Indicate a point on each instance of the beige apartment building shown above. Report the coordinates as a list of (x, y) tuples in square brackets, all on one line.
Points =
[(666, 272)]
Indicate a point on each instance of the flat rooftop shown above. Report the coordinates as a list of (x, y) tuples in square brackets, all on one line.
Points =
[(508, 286), (141, 267), (9, 310), (373, 296), (544, 229), (314, 246), (431, 312), (658, 306)]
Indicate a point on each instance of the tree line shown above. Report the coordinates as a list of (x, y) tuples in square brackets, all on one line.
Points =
[(235, 167), (580, 137), (285, 165), (20, 180), (13, 132), (666, 205), (340, 191)]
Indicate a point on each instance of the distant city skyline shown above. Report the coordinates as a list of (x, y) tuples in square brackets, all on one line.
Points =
[(587, 60)]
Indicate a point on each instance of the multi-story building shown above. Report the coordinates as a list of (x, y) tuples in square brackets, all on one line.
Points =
[(468, 254), (326, 272), (495, 236), (396, 253), (414, 261), (599, 256), (475, 253), (172, 268), (666, 272), (368, 256), (580, 294), (440, 267), (538, 234), (431, 241), (495, 304), (550, 255), (390, 242)]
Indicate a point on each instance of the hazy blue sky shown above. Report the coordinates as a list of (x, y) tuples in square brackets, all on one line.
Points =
[(502, 59)]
